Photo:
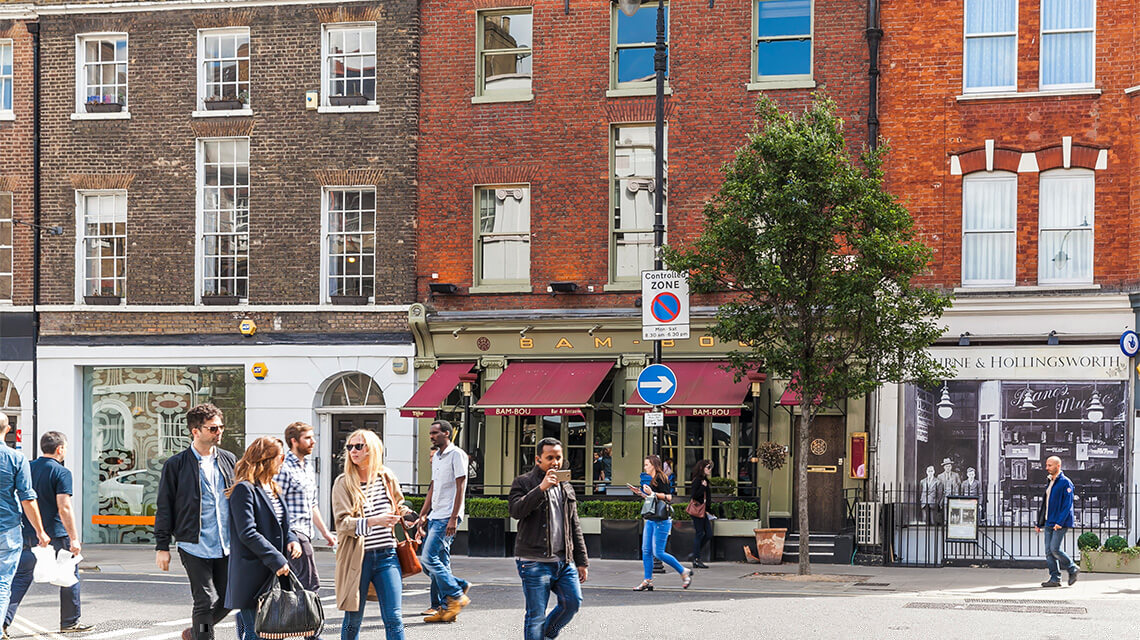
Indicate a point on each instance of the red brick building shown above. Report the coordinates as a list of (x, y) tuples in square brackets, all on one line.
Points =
[(1012, 127), (536, 167)]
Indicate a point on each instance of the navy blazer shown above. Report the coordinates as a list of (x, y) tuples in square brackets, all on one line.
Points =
[(257, 544)]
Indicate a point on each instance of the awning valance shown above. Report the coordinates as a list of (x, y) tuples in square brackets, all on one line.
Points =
[(426, 401), (703, 389), (544, 388)]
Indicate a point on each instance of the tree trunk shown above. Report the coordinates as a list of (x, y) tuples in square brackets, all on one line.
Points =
[(802, 430)]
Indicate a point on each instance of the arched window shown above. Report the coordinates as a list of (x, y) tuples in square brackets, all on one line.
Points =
[(354, 390)]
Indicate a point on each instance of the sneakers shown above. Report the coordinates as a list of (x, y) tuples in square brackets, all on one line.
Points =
[(454, 606), (429, 612), (79, 628), (686, 578), (1051, 583), (1073, 576)]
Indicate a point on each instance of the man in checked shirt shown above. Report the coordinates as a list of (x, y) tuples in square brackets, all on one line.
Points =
[(298, 482)]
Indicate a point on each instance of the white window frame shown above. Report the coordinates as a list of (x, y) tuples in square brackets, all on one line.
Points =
[(1041, 57), (81, 275), (199, 218), (491, 285), (501, 95), (247, 107), (326, 236), (647, 87), (995, 34), (10, 79), (81, 76), (1000, 176), (1043, 262), (613, 186), (8, 270), (789, 81), (326, 80)]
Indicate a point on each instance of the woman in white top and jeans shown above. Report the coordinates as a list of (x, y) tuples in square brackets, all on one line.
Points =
[(367, 504)]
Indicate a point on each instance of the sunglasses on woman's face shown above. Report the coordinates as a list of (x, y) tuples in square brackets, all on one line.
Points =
[(357, 446)]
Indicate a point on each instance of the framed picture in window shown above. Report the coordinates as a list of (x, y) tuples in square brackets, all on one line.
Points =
[(961, 519)]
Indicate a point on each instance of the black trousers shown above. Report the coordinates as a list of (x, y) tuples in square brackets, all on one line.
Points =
[(702, 533), (208, 588), (305, 567)]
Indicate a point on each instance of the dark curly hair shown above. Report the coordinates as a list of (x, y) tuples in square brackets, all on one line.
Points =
[(198, 416)]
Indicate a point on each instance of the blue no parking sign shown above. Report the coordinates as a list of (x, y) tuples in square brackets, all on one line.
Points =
[(657, 384)]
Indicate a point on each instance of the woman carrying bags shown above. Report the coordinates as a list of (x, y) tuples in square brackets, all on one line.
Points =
[(656, 533), (699, 501), (259, 530), (367, 504)]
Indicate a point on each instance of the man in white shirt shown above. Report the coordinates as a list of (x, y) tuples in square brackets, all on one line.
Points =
[(440, 516)]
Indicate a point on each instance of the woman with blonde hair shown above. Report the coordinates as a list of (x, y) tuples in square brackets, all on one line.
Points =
[(259, 530), (367, 504)]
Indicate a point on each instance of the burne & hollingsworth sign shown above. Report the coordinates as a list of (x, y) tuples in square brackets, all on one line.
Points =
[(1034, 363)]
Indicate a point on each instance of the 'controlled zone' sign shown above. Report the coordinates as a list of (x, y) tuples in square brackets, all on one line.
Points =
[(664, 305)]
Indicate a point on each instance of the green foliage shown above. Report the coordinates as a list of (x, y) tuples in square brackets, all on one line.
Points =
[(1115, 544), (414, 503), (590, 508), (679, 512), (487, 508), (621, 510), (739, 510), (723, 485), (1088, 540)]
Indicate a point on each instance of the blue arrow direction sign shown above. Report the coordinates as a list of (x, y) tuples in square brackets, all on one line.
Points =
[(657, 384)]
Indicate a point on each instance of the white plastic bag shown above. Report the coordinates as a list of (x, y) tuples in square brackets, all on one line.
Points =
[(46, 566), (65, 568)]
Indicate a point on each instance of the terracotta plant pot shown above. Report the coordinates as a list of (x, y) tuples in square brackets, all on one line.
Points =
[(770, 545)]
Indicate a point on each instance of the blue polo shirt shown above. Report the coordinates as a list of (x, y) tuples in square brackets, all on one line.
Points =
[(49, 479)]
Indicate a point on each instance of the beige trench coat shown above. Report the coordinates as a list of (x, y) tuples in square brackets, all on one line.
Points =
[(350, 548)]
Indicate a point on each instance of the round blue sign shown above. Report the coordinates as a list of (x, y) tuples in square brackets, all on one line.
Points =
[(1130, 343), (657, 384)]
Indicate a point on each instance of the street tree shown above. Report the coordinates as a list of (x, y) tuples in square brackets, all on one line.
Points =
[(817, 265)]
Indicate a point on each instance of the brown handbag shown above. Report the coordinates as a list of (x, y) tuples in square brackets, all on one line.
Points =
[(696, 509), (407, 550)]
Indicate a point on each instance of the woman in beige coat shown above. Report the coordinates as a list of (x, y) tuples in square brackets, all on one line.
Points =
[(367, 504)]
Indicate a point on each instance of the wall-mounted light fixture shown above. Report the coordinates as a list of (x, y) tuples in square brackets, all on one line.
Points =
[(945, 407), (445, 288), (964, 339), (522, 334), (455, 334), (1053, 339), (1096, 409), (562, 286), (593, 329)]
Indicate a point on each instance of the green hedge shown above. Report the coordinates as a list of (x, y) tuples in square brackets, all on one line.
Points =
[(738, 510), (415, 503), (487, 508)]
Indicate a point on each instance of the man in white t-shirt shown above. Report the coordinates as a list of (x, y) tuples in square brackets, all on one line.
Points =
[(440, 515)]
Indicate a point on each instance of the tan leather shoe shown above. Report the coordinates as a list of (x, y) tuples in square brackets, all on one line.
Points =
[(454, 606), (438, 616)]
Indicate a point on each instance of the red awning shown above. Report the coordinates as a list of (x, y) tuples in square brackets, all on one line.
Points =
[(544, 388), (703, 389), (425, 402)]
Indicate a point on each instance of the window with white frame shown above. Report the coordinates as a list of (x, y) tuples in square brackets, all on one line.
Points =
[(783, 40), (223, 70), (633, 44), (505, 58), (102, 239), (633, 194), (350, 242), (1065, 245), (991, 45), (6, 229), (223, 179), (102, 73), (1068, 43), (349, 70), (6, 76), (989, 229), (503, 242)]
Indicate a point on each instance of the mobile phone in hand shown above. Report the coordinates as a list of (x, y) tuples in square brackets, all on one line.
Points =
[(563, 475)]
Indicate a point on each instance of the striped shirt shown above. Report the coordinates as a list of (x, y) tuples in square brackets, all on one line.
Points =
[(278, 509), (375, 503)]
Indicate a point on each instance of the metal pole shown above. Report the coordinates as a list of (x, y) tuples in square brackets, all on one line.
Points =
[(660, 62), (34, 29)]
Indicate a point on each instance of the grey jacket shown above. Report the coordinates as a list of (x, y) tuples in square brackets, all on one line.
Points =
[(530, 505)]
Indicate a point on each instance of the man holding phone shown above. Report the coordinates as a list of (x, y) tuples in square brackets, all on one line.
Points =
[(549, 548)]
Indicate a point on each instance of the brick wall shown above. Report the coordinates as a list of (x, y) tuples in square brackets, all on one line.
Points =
[(559, 142), (16, 157), (927, 124), (291, 151)]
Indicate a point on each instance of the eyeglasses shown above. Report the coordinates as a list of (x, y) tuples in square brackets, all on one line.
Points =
[(358, 446), (213, 429)]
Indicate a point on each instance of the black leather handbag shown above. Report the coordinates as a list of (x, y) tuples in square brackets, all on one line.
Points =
[(656, 510), (286, 610)]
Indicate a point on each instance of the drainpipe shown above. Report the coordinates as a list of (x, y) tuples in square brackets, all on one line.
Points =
[(34, 29), (874, 37)]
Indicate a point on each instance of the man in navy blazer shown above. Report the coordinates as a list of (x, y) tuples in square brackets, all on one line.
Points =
[(1055, 517)]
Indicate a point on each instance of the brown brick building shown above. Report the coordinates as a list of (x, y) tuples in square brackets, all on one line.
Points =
[(216, 169), (1012, 127), (536, 167)]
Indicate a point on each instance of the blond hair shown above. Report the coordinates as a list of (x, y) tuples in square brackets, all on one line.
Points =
[(259, 464), (375, 466)]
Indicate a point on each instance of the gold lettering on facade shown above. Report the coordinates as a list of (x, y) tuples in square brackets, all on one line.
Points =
[(526, 343), (599, 343), (706, 341), (668, 343), (563, 343)]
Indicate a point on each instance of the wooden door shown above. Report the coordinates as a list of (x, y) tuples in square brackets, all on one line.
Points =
[(342, 426), (825, 475)]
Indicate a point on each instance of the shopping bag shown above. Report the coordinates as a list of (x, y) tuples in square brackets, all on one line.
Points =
[(46, 567), (286, 610), (65, 564)]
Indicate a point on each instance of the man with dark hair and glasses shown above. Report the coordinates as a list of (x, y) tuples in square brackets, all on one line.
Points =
[(193, 510)]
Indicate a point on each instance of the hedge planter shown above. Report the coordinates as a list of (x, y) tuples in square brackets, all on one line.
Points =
[(621, 539), (1110, 562), (104, 107), (223, 105), (347, 101), (487, 537)]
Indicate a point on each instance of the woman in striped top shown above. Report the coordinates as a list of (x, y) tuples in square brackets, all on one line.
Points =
[(259, 530), (367, 504)]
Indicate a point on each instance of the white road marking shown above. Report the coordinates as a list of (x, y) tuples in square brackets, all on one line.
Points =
[(36, 629), (113, 634), (133, 581), (185, 622)]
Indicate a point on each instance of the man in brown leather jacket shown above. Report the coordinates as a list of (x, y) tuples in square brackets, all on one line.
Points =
[(550, 550)]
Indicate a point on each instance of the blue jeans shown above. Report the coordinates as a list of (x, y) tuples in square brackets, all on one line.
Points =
[(1056, 558), (245, 623), (11, 546), (436, 560), (382, 570), (68, 596), (538, 580), (653, 540)]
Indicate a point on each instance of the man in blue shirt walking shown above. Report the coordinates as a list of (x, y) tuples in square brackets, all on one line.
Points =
[(16, 495), (52, 482), (1056, 517)]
